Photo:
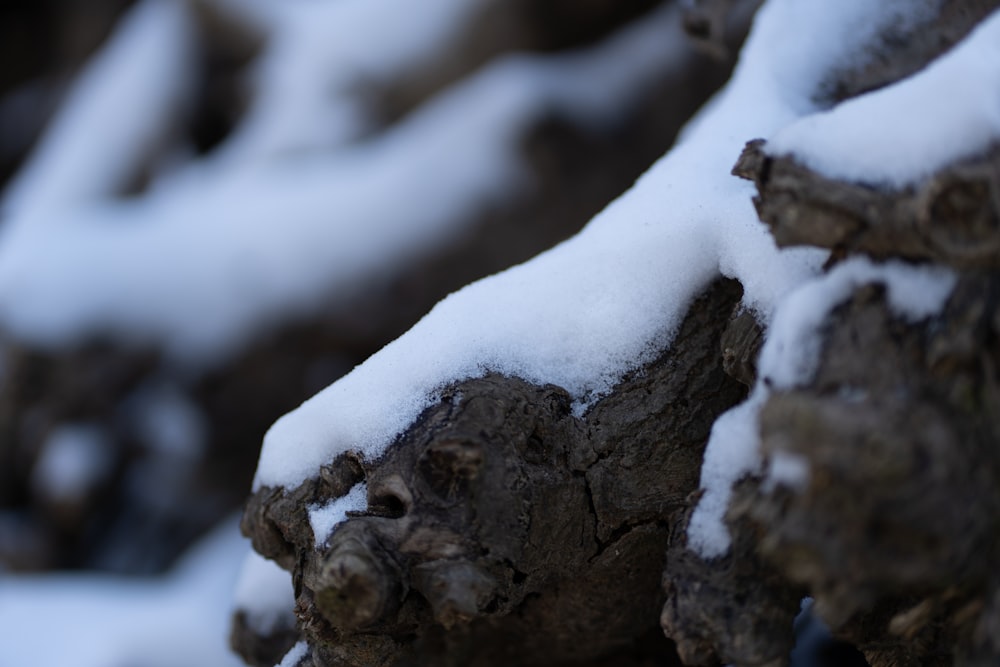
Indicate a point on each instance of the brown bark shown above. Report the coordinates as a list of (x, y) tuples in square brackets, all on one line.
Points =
[(503, 530), (949, 218), (895, 532)]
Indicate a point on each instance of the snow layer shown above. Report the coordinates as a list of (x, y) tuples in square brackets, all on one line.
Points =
[(264, 594), (324, 518), (905, 132), (787, 360), (209, 259), (587, 311), (89, 620)]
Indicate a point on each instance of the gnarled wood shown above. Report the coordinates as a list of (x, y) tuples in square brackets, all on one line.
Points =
[(503, 530)]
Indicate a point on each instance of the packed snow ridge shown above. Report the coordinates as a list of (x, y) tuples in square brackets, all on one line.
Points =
[(602, 303), (908, 130)]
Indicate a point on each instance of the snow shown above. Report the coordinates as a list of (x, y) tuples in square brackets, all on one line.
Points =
[(788, 470), (210, 259), (789, 357), (264, 594), (309, 84), (73, 460), (92, 620), (166, 421), (324, 518), (904, 132), (787, 360), (731, 453), (294, 655), (602, 303), (116, 112)]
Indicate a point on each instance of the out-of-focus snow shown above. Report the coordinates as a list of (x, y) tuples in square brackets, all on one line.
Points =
[(905, 132), (88, 620), (73, 460), (264, 594), (320, 57), (787, 360), (209, 259), (324, 518), (787, 469), (116, 113), (166, 421), (602, 303)]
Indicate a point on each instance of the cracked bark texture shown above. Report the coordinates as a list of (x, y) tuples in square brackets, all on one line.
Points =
[(501, 529)]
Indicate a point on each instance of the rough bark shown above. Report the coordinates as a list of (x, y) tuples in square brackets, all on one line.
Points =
[(503, 530), (902, 52), (948, 219), (895, 535), (258, 645), (895, 532)]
